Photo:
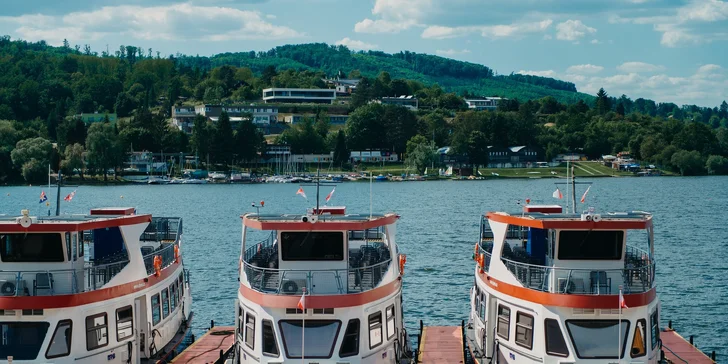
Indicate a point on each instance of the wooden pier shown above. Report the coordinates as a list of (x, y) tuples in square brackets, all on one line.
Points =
[(210, 348), (441, 344), (678, 350)]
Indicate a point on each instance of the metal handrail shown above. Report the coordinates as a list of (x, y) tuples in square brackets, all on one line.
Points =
[(329, 281)]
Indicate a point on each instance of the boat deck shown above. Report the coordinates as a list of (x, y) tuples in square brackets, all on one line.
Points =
[(441, 344), (210, 348), (678, 350)]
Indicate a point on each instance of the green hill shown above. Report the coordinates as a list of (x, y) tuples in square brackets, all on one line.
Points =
[(451, 75)]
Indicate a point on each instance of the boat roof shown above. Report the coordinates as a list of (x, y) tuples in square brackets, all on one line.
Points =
[(96, 219), (637, 220), (325, 222)]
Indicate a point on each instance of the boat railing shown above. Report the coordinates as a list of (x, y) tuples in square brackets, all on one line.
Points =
[(163, 229), (166, 252), (316, 282)]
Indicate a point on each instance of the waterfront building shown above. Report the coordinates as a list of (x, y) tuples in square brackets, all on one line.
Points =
[(486, 103), (407, 101), (299, 95)]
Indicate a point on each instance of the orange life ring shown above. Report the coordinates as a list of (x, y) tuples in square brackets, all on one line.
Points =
[(475, 254), (176, 254), (481, 260), (157, 265), (402, 261)]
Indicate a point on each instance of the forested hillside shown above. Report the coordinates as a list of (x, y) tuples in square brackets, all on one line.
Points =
[(44, 88)]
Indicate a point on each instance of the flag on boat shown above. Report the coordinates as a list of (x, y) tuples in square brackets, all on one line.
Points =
[(557, 194), (43, 197), (302, 302), (70, 196), (328, 197), (300, 192), (622, 304), (583, 197)]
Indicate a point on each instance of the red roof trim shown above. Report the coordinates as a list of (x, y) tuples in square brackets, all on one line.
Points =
[(73, 300), (330, 301), (606, 224), (113, 211), (100, 223), (319, 226)]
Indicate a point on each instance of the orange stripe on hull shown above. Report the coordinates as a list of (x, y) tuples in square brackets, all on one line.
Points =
[(330, 301), (78, 299), (567, 300)]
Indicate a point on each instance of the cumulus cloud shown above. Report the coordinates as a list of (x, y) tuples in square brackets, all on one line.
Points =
[(393, 16), (486, 31), (584, 69), (573, 30), (451, 52), (639, 67), (169, 22), (356, 44), (547, 73)]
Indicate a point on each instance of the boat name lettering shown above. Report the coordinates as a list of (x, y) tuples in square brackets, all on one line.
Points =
[(140, 285), (493, 283), (111, 356), (513, 356)]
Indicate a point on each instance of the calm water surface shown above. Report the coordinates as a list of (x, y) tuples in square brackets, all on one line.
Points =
[(438, 228)]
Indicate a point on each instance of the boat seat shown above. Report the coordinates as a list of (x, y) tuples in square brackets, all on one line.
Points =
[(43, 281), (600, 283)]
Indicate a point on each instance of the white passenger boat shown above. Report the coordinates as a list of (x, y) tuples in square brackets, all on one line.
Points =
[(108, 287), (554, 287), (323, 287)]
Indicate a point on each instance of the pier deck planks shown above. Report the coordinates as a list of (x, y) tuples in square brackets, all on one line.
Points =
[(680, 347), (207, 348), (441, 344)]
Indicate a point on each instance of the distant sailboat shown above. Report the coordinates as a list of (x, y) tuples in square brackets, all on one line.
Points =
[(449, 171), (425, 171)]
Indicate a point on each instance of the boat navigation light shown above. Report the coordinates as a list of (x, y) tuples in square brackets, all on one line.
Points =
[(24, 221)]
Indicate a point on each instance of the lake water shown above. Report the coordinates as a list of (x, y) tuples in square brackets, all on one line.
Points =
[(437, 231)]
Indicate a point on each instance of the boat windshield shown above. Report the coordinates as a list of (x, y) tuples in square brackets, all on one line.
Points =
[(22, 340), (320, 336), (31, 247), (594, 339)]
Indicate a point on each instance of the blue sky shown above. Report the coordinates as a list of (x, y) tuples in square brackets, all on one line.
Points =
[(674, 51)]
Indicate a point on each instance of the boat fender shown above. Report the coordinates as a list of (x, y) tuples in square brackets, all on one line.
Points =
[(402, 261), (290, 287), (157, 265), (176, 254)]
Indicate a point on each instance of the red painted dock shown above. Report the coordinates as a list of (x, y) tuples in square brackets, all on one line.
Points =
[(678, 350), (207, 348), (441, 344)]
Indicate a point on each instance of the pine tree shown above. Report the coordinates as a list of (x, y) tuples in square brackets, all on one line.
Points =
[(603, 103)]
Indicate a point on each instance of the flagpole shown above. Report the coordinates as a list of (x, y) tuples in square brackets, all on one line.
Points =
[(49, 189), (619, 328), (303, 329)]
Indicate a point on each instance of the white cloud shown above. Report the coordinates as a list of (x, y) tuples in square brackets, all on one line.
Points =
[(573, 30), (709, 68), (356, 44), (595, 41), (547, 73), (451, 52), (584, 69), (172, 23), (639, 67), (271, 16), (394, 16), (486, 31)]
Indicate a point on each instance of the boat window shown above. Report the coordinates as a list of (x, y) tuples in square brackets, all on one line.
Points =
[(31, 247), (80, 244), (639, 340), (156, 313), (124, 323), (594, 339), (97, 331), (654, 329), (322, 246), (172, 297), (250, 330), (22, 340), (68, 246), (390, 321), (524, 330), (270, 347), (241, 327), (165, 303), (555, 343), (504, 321), (590, 245), (181, 286), (74, 247), (320, 337), (375, 330), (482, 305), (350, 343), (61, 341)]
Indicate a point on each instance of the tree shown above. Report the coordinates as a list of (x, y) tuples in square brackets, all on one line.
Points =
[(221, 149), (200, 136), (717, 164), (303, 138), (689, 163), (32, 156), (73, 160), (620, 109), (401, 126), (322, 124), (603, 104), (477, 149), (365, 128), (248, 140), (341, 152), (103, 148), (421, 154)]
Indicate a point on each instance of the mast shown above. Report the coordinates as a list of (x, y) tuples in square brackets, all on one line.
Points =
[(58, 194), (573, 191), (318, 187)]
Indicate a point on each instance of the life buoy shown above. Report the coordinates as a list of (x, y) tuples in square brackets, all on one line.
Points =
[(402, 261), (157, 265), (475, 253), (176, 254), (481, 261)]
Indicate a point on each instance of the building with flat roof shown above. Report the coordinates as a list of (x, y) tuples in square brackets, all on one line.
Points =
[(299, 95), (407, 101), (486, 103), (263, 115)]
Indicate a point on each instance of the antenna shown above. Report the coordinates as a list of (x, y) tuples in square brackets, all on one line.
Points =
[(371, 205), (58, 194), (318, 185), (571, 182)]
